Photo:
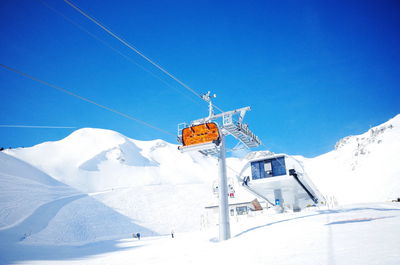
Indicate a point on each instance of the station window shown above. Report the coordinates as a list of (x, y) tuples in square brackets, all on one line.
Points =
[(268, 168), (242, 210), (278, 166)]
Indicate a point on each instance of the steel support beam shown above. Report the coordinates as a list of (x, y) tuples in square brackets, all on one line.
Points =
[(224, 225)]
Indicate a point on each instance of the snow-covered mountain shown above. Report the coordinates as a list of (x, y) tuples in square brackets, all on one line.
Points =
[(362, 168), (160, 189), (43, 221), (150, 182), (93, 160)]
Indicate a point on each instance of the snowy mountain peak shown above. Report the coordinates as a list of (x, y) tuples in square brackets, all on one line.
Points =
[(362, 167), (146, 180), (92, 160), (360, 143), (95, 138)]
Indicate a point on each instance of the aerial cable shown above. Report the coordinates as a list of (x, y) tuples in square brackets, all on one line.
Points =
[(135, 50), (115, 50), (85, 99), (132, 48)]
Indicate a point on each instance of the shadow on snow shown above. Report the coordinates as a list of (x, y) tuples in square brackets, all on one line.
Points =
[(358, 220), (328, 212)]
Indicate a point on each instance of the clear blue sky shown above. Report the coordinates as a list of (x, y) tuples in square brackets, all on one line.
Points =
[(312, 71)]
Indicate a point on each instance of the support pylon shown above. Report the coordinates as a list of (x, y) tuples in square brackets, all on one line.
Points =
[(224, 225), (210, 146)]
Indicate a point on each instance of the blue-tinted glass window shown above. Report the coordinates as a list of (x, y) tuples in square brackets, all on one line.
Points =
[(278, 166), (257, 170), (268, 168), (242, 210)]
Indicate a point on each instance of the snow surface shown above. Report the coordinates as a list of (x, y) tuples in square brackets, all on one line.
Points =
[(362, 168), (93, 160), (79, 200), (35, 208), (23, 189), (150, 182), (357, 234)]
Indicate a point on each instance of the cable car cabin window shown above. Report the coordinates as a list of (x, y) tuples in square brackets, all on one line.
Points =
[(268, 168)]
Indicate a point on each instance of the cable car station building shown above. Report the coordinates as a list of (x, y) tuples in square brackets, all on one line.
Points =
[(281, 181)]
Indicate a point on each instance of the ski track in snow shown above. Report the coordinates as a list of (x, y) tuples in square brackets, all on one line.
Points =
[(359, 234), (37, 221)]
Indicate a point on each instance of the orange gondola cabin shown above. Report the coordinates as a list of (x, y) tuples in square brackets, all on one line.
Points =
[(201, 134)]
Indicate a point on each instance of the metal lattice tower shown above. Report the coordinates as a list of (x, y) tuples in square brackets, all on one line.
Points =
[(232, 124)]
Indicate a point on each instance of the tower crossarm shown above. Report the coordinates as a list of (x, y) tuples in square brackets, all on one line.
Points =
[(241, 112), (232, 123)]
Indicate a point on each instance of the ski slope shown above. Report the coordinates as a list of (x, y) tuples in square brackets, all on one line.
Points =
[(23, 189), (151, 182), (35, 208), (79, 200), (356, 234)]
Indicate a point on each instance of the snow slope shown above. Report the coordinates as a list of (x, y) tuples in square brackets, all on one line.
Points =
[(365, 234), (35, 208), (128, 186), (93, 160), (149, 182), (23, 189), (362, 168), (161, 189)]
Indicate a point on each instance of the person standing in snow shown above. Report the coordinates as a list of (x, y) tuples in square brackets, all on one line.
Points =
[(172, 234), (138, 235)]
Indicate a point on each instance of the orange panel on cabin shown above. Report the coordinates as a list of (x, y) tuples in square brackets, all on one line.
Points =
[(199, 134)]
